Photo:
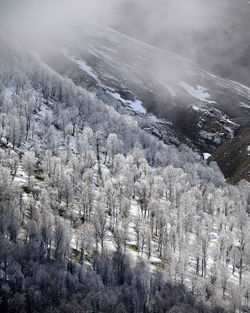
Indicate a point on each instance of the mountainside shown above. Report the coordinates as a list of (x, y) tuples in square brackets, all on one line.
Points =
[(169, 95), (213, 34), (102, 207)]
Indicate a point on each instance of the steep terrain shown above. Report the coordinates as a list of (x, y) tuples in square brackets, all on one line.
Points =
[(234, 156), (97, 212), (169, 95), (214, 34)]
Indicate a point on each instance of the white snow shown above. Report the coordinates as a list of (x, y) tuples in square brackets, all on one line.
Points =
[(248, 150), (45, 112), (155, 119), (117, 96), (206, 155), (99, 53), (229, 130), (199, 92), (21, 177), (197, 108), (210, 136), (8, 92), (135, 105), (81, 64), (73, 144), (244, 105), (109, 49), (241, 85)]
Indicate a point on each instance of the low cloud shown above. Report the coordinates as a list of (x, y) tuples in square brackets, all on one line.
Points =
[(204, 31)]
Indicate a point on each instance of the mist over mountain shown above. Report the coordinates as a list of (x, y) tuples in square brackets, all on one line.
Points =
[(214, 34), (124, 156)]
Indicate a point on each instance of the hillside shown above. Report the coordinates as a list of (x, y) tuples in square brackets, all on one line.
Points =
[(187, 104), (106, 201)]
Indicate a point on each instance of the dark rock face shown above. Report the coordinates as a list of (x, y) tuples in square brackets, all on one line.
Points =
[(233, 156)]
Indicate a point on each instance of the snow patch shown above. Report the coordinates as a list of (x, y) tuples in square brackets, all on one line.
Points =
[(241, 85), (135, 105), (81, 64), (244, 105), (21, 177), (9, 91), (248, 150), (199, 92), (155, 119), (206, 156), (210, 136)]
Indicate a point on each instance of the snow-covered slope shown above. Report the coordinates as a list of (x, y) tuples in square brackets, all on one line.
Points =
[(169, 95), (70, 163)]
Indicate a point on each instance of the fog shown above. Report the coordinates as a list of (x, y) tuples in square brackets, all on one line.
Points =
[(27, 17), (213, 33)]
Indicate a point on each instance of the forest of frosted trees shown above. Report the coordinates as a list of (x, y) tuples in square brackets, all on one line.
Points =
[(96, 215)]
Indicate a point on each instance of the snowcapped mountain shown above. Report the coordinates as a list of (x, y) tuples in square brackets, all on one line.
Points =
[(170, 96)]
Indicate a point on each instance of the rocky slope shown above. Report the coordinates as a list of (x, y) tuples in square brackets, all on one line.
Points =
[(168, 95)]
